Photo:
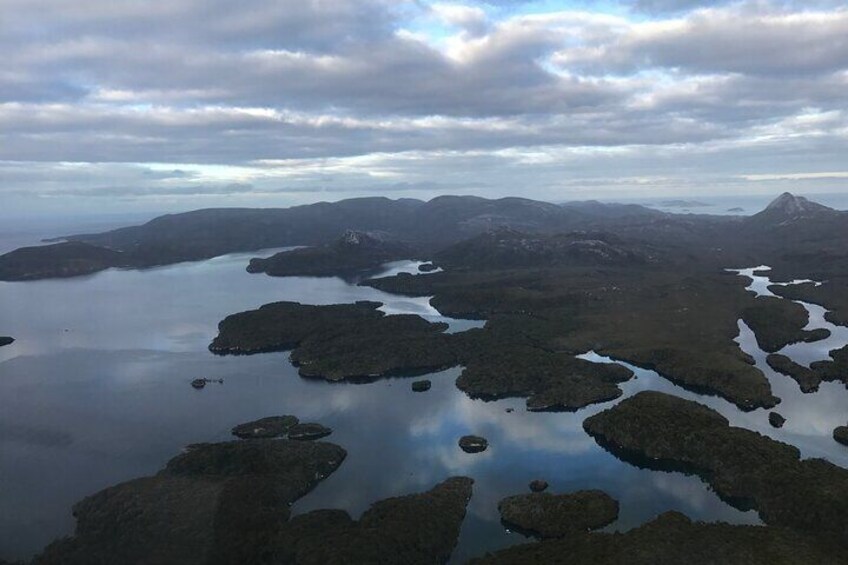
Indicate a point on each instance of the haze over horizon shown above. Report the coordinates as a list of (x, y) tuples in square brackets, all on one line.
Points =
[(115, 106)]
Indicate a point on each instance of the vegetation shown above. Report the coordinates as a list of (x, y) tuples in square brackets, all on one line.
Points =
[(548, 515), (657, 430), (777, 323), (832, 294), (215, 503), (413, 529), (807, 379), (673, 538), (354, 253), (264, 428)]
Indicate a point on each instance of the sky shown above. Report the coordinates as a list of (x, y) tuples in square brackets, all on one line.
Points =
[(121, 105)]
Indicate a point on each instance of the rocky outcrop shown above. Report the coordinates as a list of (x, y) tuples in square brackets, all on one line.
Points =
[(5, 340), (548, 515), (840, 434), (508, 249), (416, 529), (661, 431), (353, 253)]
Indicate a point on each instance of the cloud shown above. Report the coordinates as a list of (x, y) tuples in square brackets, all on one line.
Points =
[(369, 95), (744, 38)]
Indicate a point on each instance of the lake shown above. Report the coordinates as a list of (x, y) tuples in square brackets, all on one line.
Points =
[(96, 390)]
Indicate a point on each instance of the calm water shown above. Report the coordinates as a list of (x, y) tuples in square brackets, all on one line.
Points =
[(96, 391), (742, 204)]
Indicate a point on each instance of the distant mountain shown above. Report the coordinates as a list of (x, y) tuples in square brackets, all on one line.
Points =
[(789, 209), (506, 248), (798, 237), (202, 234), (683, 204), (792, 230), (354, 252)]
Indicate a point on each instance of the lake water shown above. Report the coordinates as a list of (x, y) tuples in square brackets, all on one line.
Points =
[(97, 391)]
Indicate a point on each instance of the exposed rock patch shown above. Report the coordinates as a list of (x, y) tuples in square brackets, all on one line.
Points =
[(354, 252), (308, 431), (5, 340), (555, 515), (506, 248)]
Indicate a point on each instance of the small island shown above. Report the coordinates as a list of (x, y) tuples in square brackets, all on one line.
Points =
[(6, 340), (545, 515)]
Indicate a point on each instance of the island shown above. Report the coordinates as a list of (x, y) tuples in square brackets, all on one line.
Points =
[(6, 340), (229, 503), (661, 431), (546, 515)]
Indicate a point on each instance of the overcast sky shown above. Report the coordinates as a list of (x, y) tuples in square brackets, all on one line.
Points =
[(127, 105)]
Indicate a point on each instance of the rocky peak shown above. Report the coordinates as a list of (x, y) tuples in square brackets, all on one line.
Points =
[(359, 238), (795, 206), (788, 209)]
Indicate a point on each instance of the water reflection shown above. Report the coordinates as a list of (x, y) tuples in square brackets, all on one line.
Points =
[(109, 400)]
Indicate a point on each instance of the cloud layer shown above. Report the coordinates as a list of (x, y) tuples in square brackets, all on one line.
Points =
[(282, 102)]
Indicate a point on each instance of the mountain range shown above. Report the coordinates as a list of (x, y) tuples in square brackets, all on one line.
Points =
[(791, 230)]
